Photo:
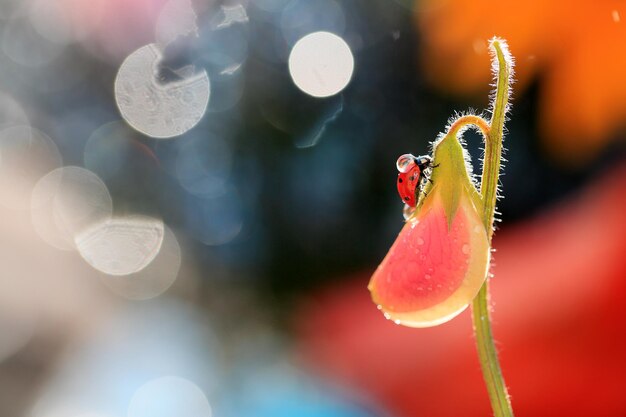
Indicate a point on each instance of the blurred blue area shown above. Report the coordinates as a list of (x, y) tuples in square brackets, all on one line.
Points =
[(286, 392), (166, 340)]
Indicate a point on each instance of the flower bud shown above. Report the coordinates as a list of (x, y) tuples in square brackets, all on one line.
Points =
[(440, 259)]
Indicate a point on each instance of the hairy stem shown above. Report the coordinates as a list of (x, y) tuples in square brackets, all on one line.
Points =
[(487, 352), (470, 119)]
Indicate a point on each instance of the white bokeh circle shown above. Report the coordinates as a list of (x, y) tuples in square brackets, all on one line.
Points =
[(321, 64), (155, 109)]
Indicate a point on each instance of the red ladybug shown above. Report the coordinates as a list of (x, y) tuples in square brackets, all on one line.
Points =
[(410, 177)]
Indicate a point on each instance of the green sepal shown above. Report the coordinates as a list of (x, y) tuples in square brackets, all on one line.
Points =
[(450, 176)]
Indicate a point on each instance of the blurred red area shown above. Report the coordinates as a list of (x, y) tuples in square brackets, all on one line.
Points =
[(577, 48), (558, 299)]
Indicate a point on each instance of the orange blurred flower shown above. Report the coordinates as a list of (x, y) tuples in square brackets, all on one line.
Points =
[(579, 47)]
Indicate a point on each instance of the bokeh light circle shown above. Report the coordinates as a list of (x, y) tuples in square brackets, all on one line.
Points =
[(107, 149), (169, 396), (153, 280), (321, 64), (26, 154), (67, 201), (11, 113), (159, 110), (25, 46), (121, 245), (50, 21), (217, 220), (203, 165)]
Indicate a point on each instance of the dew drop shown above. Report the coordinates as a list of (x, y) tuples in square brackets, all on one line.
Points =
[(405, 162), (465, 249), (397, 321), (420, 241), (427, 276), (477, 229), (407, 212)]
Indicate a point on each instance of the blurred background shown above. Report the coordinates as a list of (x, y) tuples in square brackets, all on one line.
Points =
[(194, 193)]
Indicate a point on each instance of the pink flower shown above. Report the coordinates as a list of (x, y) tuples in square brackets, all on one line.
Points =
[(440, 259)]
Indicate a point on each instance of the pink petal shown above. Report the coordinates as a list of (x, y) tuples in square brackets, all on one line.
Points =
[(432, 272)]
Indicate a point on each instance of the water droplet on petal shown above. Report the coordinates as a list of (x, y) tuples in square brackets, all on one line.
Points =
[(466, 249), (407, 212), (420, 241), (427, 276)]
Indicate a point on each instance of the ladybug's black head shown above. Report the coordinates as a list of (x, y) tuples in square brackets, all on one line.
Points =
[(423, 161)]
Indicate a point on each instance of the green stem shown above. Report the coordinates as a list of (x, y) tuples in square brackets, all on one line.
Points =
[(493, 142), (488, 355), (493, 135), (487, 352)]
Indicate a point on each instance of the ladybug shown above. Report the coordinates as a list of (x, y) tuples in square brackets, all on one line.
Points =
[(411, 175)]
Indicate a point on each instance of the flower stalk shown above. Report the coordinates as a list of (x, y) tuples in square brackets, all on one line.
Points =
[(439, 263), (493, 134), (487, 351)]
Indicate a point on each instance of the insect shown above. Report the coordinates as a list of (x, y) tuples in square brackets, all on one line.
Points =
[(412, 172)]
